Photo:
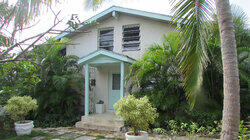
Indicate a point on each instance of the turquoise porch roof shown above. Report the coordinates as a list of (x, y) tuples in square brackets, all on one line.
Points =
[(103, 57)]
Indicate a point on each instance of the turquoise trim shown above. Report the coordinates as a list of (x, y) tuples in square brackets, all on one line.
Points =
[(86, 89), (115, 10), (102, 61), (112, 98), (105, 53), (115, 14), (122, 80)]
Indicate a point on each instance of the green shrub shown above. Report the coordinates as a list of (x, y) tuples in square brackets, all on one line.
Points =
[(193, 129), (17, 78), (56, 120), (242, 131), (19, 107), (6, 126), (159, 130), (138, 112), (59, 90)]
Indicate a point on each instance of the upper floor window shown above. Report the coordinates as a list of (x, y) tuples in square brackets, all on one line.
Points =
[(106, 39), (131, 37)]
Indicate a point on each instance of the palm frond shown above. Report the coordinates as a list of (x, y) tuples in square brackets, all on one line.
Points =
[(6, 13), (5, 40), (28, 9), (194, 16)]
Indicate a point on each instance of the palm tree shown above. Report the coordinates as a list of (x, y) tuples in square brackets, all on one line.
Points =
[(231, 106), (195, 14)]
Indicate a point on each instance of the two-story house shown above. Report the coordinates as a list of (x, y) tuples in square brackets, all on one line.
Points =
[(108, 49)]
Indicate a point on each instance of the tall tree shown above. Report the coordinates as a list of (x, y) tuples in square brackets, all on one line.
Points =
[(196, 13), (231, 108)]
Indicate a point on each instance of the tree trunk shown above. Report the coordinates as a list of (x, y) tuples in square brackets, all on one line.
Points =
[(231, 107)]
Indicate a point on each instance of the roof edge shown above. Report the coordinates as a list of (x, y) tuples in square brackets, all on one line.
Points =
[(122, 10)]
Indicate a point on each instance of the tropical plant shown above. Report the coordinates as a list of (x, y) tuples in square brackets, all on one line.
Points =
[(159, 131), (213, 74), (17, 79), (25, 10), (158, 77), (19, 107), (6, 15), (59, 90), (193, 59), (138, 112), (242, 131)]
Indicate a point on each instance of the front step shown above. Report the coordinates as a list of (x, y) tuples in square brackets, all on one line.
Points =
[(89, 126), (103, 122)]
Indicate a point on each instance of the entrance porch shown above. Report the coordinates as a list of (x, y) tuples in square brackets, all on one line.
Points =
[(111, 69)]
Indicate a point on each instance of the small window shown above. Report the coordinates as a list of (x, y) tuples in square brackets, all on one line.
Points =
[(106, 39), (116, 80), (131, 37)]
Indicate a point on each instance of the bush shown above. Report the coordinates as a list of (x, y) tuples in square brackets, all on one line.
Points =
[(193, 129), (159, 131), (6, 126), (19, 107), (59, 90), (138, 112)]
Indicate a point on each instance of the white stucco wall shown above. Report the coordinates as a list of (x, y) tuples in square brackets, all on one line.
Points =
[(150, 31)]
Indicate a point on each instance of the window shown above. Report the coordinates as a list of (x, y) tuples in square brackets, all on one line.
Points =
[(106, 39), (131, 37), (116, 80)]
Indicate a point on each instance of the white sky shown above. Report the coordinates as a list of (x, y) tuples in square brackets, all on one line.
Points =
[(69, 7)]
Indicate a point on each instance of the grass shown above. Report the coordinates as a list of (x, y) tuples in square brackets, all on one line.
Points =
[(26, 137), (10, 135), (46, 136)]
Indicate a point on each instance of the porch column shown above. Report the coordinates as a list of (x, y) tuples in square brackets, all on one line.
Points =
[(86, 89), (122, 80)]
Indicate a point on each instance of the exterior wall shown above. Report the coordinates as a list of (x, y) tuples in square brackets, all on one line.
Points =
[(150, 31)]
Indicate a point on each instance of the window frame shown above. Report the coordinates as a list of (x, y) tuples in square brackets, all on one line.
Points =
[(99, 37), (139, 36)]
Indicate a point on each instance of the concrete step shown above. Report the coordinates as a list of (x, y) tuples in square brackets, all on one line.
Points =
[(100, 127), (100, 117), (100, 120), (104, 122)]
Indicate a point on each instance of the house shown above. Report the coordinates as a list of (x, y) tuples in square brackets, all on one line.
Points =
[(108, 49)]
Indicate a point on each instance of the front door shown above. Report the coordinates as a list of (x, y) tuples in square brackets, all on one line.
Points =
[(114, 94)]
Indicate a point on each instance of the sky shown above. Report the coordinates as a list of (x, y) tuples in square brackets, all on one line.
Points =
[(69, 7)]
